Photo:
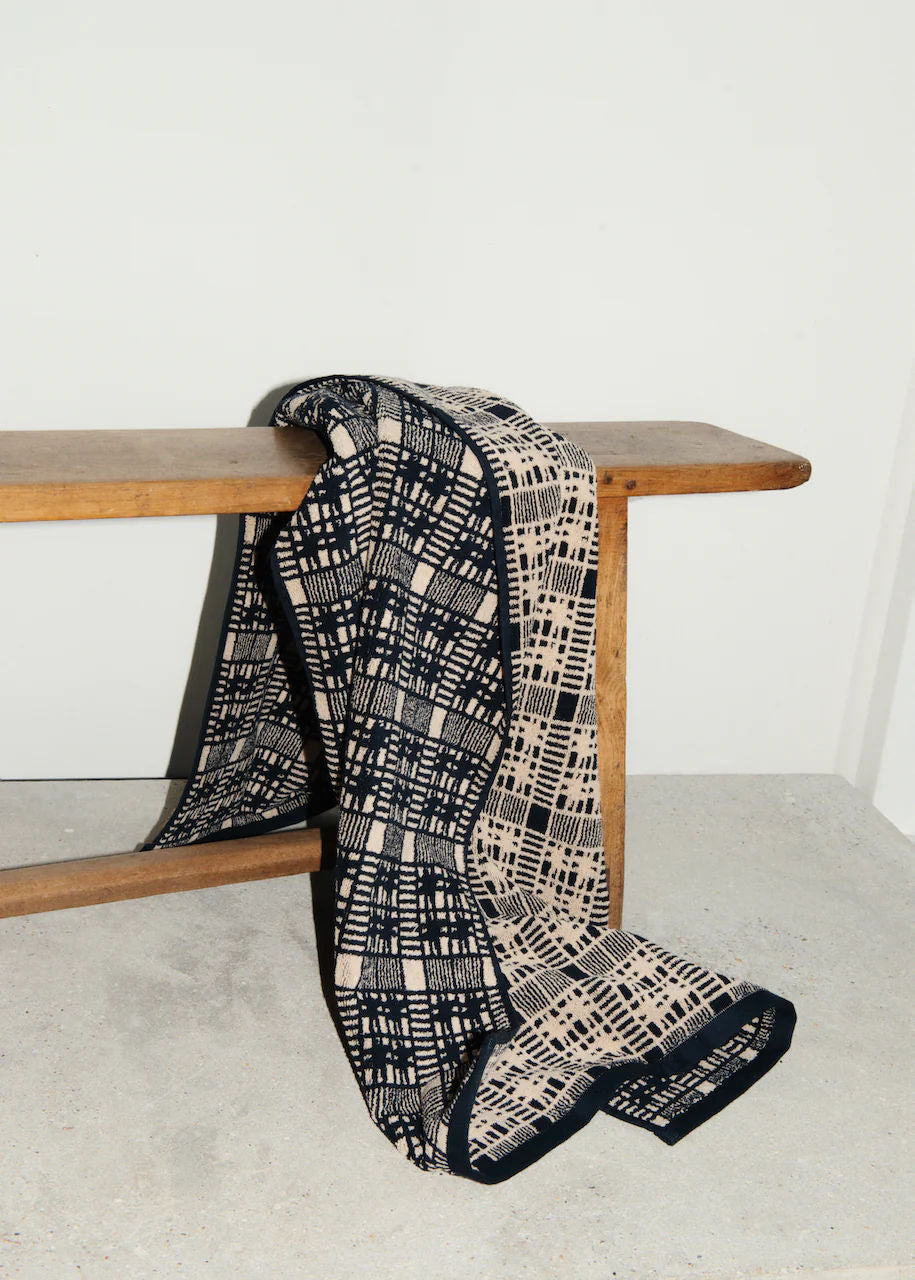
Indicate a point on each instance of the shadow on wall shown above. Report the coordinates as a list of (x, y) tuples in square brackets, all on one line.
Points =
[(889, 662), (193, 702)]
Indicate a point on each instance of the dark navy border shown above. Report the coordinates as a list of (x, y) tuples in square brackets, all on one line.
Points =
[(713, 1033)]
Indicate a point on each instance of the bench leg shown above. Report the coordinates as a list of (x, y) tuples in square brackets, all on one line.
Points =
[(611, 690)]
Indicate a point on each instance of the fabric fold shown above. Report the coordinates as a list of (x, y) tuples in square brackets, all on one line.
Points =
[(416, 644)]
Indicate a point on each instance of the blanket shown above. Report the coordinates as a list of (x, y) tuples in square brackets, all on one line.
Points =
[(415, 646)]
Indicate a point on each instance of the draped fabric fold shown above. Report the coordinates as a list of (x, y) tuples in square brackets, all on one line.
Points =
[(416, 644)]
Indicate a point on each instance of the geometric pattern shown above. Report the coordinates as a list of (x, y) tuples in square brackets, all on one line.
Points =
[(416, 643)]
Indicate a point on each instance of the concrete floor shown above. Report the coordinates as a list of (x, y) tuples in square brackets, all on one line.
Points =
[(174, 1100)]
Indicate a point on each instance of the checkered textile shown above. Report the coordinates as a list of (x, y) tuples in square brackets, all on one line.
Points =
[(416, 643)]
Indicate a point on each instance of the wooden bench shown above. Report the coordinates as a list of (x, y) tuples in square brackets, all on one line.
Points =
[(92, 475)]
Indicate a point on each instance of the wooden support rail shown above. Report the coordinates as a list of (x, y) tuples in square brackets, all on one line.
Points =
[(113, 877)]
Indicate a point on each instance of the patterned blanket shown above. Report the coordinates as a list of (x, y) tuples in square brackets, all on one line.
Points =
[(416, 644)]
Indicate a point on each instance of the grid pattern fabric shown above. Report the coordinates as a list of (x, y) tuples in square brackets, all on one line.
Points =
[(416, 643)]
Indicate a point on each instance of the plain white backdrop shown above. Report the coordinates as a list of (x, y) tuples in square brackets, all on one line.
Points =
[(600, 210)]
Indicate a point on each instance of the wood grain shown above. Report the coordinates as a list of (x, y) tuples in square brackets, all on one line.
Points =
[(82, 475), (643, 458), (611, 691), (81, 882)]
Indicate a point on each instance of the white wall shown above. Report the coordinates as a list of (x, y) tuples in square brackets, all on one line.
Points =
[(602, 210)]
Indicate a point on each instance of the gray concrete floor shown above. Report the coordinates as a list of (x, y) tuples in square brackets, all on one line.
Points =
[(174, 1100)]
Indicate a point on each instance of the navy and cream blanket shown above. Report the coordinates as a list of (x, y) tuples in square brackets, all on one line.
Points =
[(416, 644)]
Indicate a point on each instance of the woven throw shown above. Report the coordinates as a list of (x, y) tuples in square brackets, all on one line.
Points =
[(416, 645)]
